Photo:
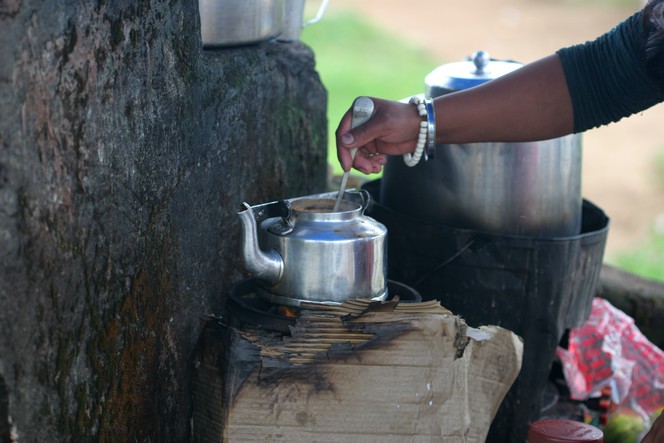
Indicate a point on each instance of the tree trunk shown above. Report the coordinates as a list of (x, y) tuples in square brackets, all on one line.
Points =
[(125, 151)]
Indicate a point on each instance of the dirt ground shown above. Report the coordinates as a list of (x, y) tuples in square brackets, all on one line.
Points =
[(619, 173)]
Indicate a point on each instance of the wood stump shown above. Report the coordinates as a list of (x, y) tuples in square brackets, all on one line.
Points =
[(370, 372)]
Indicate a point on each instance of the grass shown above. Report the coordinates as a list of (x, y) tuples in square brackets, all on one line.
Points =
[(648, 259), (355, 58)]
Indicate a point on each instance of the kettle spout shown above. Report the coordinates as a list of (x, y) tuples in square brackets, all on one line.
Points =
[(267, 266)]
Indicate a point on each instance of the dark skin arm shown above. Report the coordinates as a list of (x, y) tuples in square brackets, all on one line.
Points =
[(531, 103), (656, 433)]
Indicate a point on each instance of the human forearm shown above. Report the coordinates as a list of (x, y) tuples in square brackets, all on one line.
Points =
[(578, 88), (531, 103)]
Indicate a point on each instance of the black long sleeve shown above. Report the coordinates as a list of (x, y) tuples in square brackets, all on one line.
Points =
[(607, 78)]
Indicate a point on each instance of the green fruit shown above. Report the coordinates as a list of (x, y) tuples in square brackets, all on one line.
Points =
[(623, 428)]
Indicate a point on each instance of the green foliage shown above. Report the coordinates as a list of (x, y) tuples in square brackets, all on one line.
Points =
[(659, 167), (355, 58), (646, 260)]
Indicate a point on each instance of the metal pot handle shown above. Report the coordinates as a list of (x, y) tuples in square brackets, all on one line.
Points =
[(283, 210), (279, 208), (319, 14), (361, 197)]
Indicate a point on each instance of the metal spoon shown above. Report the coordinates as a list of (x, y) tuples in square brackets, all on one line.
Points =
[(362, 110)]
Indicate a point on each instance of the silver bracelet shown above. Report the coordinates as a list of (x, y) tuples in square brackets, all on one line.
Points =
[(430, 152)]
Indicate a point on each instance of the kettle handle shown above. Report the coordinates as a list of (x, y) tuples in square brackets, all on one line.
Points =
[(319, 14), (283, 210), (367, 201), (362, 197), (266, 210)]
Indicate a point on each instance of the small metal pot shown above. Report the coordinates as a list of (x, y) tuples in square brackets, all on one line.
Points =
[(240, 22)]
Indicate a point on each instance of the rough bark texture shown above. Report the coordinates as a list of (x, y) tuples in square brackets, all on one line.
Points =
[(640, 298), (125, 150)]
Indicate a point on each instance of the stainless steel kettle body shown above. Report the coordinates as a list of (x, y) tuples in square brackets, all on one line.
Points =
[(301, 250)]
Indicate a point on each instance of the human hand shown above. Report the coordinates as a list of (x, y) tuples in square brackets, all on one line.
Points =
[(656, 433), (392, 130)]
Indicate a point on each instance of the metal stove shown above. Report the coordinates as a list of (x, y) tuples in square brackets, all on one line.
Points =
[(248, 306)]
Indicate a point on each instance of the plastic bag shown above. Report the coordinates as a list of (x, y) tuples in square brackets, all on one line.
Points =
[(609, 350)]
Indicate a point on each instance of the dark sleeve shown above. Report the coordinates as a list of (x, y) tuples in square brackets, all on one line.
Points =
[(607, 78)]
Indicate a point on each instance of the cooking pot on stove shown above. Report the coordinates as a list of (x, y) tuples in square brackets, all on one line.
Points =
[(527, 189), (302, 250)]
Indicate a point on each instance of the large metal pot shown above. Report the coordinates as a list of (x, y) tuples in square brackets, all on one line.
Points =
[(302, 250), (240, 22), (527, 189)]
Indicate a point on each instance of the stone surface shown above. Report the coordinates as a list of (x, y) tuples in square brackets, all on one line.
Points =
[(125, 151)]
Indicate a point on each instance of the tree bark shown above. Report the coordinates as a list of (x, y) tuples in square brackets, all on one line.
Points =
[(125, 151)]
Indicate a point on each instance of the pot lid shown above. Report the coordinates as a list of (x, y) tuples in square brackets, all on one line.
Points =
[(563, 431), (478, 68)]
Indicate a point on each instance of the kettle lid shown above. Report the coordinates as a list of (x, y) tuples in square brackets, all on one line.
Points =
[(478, 68)]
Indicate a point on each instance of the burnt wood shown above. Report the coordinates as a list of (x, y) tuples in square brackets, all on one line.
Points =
[(383, 372)]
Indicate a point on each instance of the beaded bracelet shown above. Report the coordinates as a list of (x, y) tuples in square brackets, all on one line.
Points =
[(426, 136)]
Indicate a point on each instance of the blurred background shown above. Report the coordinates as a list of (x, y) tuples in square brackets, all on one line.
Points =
[(385, 48)]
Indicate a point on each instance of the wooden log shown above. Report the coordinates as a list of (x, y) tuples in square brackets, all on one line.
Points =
[(383, 375), (640, 298)]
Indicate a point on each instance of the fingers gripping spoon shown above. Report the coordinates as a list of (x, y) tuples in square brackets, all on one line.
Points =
[(362, 110)]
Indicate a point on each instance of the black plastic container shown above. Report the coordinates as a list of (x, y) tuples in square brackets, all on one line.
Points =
[(535, 287)]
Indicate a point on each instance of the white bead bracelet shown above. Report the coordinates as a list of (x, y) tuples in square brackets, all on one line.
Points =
[(426, 132)]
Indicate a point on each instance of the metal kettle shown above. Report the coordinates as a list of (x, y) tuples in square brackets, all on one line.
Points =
[(301, 250)]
